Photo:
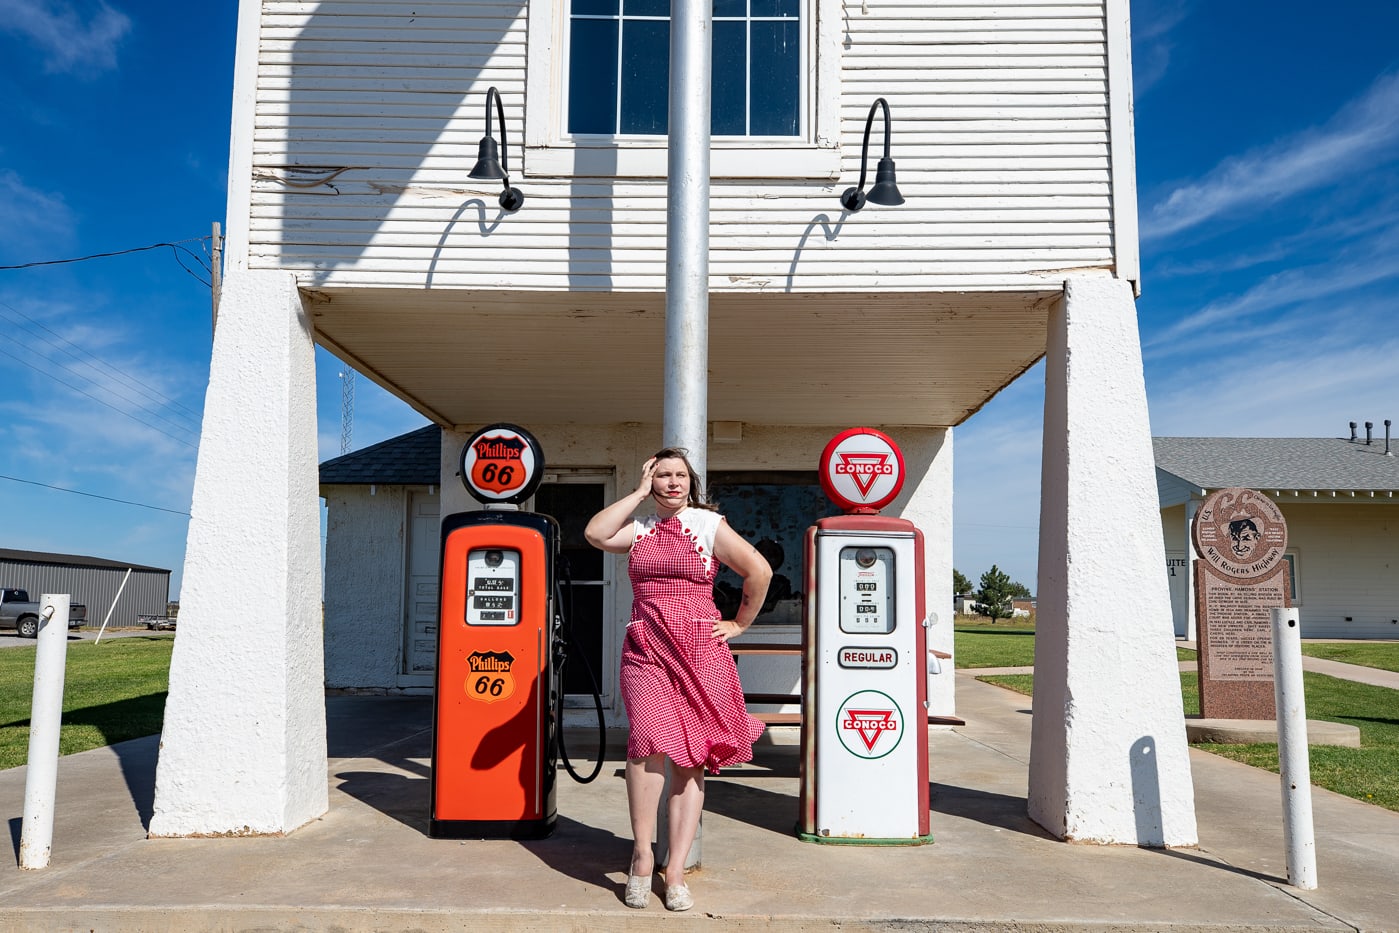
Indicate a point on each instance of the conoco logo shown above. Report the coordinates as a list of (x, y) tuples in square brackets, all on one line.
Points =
[(863, 468), (869, 724)]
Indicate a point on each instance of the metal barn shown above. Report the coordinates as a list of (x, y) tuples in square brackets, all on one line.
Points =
[(93, 581)]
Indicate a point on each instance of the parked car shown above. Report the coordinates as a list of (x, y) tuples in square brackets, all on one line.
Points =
[(19, 612)]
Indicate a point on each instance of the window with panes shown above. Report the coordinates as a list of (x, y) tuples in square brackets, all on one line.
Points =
[(619, 62)]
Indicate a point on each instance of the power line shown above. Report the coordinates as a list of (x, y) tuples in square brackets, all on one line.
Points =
[(92, 495), (176, 247), (99, 401), (118, 390)]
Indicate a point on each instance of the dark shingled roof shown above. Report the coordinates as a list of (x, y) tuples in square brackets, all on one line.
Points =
[(1278, 463), (70, 560), (412, 459)]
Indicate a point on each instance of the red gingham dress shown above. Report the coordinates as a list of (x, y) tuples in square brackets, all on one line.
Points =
[(678, 681)]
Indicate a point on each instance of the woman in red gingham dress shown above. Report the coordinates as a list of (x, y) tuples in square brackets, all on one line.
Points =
[(678, 679)]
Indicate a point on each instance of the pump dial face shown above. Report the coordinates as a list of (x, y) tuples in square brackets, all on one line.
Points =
[(502, 463)]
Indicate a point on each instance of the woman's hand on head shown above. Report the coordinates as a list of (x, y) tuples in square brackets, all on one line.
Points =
[(648, 473)]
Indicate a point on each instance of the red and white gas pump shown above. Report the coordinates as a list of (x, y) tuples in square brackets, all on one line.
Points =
[(864, 767), (494, 728)]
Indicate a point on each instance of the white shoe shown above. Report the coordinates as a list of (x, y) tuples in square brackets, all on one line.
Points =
[(677, 897), (638, 891)]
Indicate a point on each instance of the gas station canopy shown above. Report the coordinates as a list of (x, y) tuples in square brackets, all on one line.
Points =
[(466, 357)]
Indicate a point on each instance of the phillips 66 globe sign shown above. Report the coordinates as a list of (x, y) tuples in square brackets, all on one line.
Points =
[(502, 463), (862, 470)]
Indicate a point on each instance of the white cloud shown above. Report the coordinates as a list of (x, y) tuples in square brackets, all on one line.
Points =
[(1152, 24), (1315, 289), (1312, 392), (29, 213), (70, 41), (1356, 137)]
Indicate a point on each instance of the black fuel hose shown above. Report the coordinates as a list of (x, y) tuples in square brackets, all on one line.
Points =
[(566, 646)]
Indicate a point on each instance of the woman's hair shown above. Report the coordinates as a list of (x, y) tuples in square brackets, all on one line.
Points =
[(696, 499)]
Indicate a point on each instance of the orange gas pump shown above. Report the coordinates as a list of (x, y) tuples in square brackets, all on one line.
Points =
[(494, 724)]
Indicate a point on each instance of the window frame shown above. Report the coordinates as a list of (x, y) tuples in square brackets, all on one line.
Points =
[(1292, 576), (549, 151)]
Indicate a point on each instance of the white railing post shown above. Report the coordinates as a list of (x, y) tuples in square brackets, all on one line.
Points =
[(45, 717), (1293, 763)]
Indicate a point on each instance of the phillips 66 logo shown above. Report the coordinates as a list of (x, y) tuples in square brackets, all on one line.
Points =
[(491, 678), (869, 724), (502, 463), (499, 463)]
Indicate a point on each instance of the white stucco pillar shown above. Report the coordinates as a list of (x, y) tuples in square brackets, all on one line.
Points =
[(926, 501), (1108, 758), (243, 749)]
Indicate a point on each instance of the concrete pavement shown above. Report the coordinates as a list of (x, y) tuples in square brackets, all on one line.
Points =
[(368, 863)]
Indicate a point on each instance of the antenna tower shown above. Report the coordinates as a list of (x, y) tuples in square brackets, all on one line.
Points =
[(347, 410)]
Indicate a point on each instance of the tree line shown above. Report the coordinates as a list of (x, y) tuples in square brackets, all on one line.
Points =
[(993, 597)]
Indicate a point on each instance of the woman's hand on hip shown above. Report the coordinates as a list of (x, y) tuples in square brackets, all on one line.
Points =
[(724, 629)]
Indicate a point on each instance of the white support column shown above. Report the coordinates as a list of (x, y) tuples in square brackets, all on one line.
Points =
[(1108, 757), (244, 748)]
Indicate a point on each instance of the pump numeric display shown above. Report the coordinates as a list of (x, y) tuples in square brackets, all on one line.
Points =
[(866, 590), (495, 585)]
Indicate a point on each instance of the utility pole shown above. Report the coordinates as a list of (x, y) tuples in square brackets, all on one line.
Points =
[(216, 271)]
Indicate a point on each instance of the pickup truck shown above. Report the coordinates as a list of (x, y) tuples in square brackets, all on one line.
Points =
[(18, 612)]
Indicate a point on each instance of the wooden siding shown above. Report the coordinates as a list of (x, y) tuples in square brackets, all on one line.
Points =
[(368, 113), (1348, 568), (1171, 489)]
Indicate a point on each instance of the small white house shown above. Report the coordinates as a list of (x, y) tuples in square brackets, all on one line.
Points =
[(1341, 501)]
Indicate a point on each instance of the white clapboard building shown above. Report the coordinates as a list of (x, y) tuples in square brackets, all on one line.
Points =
[(354, 223)]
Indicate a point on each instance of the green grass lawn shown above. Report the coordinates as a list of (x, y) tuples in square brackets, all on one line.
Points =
[(1369, 773), (112, 691), (1383, 655), (1005, 644)]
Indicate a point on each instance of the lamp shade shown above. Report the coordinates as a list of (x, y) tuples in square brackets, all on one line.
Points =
[(885, 190), (488, 160)]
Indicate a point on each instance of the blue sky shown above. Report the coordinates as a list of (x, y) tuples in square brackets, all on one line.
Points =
[(1267, 147)]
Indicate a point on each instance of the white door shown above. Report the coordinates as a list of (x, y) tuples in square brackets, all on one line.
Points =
[(420, 609)]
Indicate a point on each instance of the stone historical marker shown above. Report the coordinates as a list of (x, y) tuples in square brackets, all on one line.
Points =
[(1240, 536)]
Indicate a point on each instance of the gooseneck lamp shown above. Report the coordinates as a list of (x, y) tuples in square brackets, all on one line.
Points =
[(493, 162), (885, 190)]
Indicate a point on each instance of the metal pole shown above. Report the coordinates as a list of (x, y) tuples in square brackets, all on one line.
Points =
[(1294, 765), (45, 717), (687, 233), (685, 415), (112, 608)]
